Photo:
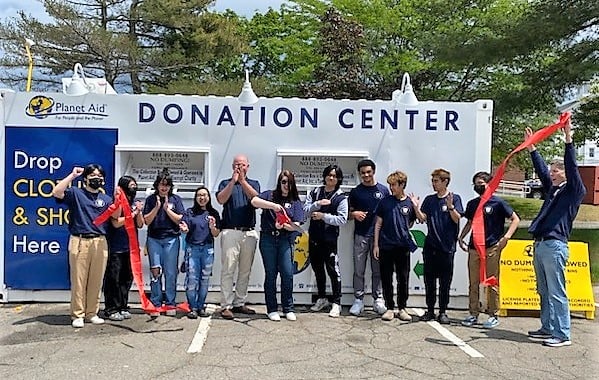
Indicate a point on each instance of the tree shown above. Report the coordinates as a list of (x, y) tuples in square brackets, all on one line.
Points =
[(481, 49), (341, 74), (145, 44), (586, 116)]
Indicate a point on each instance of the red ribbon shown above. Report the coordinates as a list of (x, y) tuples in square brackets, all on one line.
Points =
[(478, 225), (122, 201), (282, 217)]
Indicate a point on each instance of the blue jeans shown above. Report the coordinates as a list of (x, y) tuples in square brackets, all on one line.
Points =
[(277, 257), (164, 255), (550, 257), (198, 259)]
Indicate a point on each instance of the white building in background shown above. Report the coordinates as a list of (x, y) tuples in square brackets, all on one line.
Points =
[(588, 154)]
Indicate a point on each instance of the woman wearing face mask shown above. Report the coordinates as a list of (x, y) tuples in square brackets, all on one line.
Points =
[(277, 239), (88, 250), (202, 224), (118, 277), (162, 213)]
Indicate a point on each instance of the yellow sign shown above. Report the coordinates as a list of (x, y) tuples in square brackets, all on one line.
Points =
[(518, 283)]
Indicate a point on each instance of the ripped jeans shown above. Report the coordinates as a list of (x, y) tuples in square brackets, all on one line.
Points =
[(164, 255), (199, 259)]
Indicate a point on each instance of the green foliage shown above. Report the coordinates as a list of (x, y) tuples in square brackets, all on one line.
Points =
[(482, 49), (149, 44), (586, 116), (341, 73)]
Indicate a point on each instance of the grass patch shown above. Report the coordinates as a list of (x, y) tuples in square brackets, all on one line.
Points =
[(528, 208)]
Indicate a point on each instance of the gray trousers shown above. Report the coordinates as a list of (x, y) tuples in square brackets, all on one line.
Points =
[(363, 252)]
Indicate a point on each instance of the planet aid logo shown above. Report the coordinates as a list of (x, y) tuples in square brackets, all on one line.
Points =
[(41, 107), (301, 258)]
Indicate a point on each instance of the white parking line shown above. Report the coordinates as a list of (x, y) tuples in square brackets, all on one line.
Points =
[(200, 336), (451, 337)]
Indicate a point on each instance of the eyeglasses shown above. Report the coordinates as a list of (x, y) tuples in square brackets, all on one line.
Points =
[(284, 182)]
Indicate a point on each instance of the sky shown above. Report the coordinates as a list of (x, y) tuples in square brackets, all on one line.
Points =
[(9, 8)]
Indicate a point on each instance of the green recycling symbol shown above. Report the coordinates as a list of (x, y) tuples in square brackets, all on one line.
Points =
[(419, 237)]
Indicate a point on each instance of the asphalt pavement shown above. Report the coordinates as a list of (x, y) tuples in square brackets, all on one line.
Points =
[(38, 342)]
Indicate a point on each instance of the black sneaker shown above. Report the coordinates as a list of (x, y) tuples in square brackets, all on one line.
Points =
[(427, 316), (443, 319), (192, 314), (539, 334), (203, 313)]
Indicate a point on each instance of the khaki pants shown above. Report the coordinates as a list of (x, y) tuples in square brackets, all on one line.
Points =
[(87, 259), (237, 254), (493, 256)]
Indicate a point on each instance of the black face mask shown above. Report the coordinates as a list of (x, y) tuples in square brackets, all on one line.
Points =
[(95, 183), (131, 192), (480, 189)]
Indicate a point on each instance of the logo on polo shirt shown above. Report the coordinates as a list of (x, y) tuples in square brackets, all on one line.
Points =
[(444, 208), (378, 195), (99, 203), (287, 205), (405, 210), (488, 210)]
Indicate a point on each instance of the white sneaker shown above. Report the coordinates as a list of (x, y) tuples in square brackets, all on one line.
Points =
[(388, 315), (320, 304), (95, 320), (357, 308), (126, 314), (379, 306), (274, 316), (335, 310), (404, 316), (78, 323), (171, 312), (291, 316)]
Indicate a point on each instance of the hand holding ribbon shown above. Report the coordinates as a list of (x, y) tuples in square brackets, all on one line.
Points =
[(478, 225)]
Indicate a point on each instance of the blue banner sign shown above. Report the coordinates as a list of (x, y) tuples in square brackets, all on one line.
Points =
[(35, 226)]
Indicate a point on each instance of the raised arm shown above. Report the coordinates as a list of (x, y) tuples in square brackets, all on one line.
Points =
[(60, 188)]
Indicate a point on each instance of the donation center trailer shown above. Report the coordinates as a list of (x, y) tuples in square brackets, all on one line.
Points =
[(45, 134)]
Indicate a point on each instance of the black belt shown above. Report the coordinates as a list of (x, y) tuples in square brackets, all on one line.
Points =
[(87, 236), (546, 238), (245, 229), (274, 233)]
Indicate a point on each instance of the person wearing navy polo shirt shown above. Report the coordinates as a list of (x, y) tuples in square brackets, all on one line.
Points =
[(495, 213), (393, 244), (327, 207), (202, 224), (551, 229), (442, 212), (238, 237), (118, 277), (162, 213), (363, 200), (277, 241), (88, 250)]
